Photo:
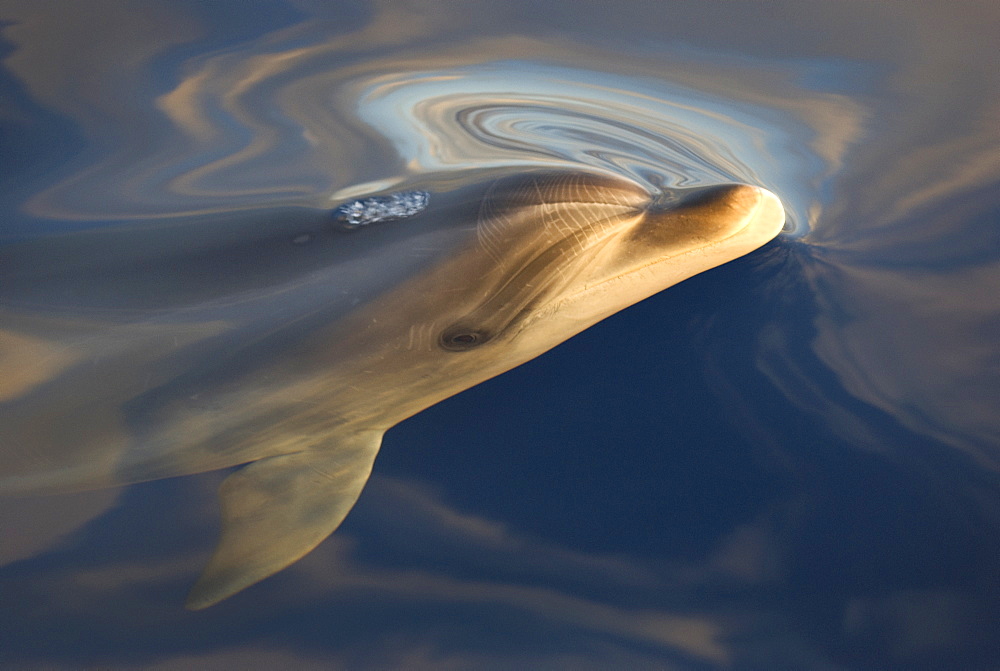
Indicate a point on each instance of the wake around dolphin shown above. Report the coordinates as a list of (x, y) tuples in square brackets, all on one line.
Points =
[(295, 362)]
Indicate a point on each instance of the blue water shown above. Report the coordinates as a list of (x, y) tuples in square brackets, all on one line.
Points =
[(790, 461)]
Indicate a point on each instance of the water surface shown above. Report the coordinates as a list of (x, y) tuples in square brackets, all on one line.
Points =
[(788, 462)]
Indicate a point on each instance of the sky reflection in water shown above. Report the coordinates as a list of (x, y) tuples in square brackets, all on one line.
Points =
[(789, 461)]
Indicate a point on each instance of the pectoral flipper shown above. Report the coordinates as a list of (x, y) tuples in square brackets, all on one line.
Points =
[(277, 509)]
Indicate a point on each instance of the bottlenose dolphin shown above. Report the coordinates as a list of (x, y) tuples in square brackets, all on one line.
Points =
[(290, 349)]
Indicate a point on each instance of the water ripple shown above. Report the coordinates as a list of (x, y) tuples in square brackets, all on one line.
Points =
[(474, 117)]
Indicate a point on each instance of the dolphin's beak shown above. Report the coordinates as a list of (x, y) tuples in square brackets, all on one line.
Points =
[(759, 208), (719, 221), (724, 209)]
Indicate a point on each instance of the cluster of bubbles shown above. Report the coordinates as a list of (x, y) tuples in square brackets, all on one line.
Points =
[(365, 211)]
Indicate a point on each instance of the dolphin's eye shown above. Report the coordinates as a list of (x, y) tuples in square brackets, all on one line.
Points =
[(461, 339)]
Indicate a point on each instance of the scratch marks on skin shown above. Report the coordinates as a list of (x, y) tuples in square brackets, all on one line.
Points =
[(420, 336), (488, 233), (538, 191), (566, 215), (488, 227), (321, 473), (416, 337), (568, 220)]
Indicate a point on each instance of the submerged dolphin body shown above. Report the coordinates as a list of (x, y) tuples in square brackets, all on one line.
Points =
[(141, 364)]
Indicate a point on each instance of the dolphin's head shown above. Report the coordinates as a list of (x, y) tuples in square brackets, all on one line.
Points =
[(541, 257), (561, 252)]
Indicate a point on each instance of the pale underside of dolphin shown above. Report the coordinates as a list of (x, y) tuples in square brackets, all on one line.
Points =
[(127, 360)]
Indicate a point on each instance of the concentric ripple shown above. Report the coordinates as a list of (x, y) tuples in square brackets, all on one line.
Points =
[(659, 135)]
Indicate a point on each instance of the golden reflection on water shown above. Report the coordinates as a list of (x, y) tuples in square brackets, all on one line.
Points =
[(918, 340), (28, 361)]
